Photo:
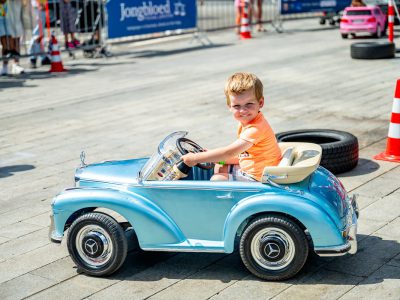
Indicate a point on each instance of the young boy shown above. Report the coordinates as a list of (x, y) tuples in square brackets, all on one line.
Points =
[(256, 145)]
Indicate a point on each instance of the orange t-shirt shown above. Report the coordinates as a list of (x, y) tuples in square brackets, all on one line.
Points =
[(265, 150)]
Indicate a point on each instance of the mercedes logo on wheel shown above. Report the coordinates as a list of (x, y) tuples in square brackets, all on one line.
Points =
[(91, 246), (272, 250)]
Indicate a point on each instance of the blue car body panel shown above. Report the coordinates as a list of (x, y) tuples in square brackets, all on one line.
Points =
[(197, 214)]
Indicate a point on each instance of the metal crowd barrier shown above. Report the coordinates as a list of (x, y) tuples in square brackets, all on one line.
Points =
[(41, 17)]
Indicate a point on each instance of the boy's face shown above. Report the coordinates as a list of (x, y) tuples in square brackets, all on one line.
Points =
[(245, 106)]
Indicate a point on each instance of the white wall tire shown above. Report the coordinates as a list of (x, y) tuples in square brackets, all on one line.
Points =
[(273, 248), (97, 244)]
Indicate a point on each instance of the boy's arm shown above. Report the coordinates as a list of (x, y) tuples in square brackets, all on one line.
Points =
[(228, 154)]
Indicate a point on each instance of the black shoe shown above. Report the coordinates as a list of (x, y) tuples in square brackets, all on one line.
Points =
[(33, 63), (46, 61)]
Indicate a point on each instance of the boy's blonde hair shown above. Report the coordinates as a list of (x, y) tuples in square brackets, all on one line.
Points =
[(242, 82)]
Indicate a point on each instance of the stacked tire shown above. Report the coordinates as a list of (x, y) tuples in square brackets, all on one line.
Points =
[(339, 148)]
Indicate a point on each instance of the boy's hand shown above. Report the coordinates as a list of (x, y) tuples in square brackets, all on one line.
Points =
[(189, 159)]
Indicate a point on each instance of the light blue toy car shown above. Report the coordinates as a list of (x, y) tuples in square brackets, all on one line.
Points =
[(297, 208)]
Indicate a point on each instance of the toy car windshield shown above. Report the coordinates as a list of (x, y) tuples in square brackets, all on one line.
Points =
[(160, 165)]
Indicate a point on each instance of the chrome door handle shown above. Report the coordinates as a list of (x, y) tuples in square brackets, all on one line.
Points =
[(227, 196)]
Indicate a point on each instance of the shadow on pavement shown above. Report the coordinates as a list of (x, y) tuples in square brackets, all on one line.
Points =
[(373, 263), (365, 166), (10, 170), (12, 82), (156, 53), (97, 64), (15, 82)]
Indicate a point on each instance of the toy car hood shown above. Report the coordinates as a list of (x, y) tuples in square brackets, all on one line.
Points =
[(121, 172)]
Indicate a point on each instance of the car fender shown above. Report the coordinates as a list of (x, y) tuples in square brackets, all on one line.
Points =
[(320, 225), (151, 224)]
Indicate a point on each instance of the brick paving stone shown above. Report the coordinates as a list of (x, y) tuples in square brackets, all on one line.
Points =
[(24, 244), (22, 214), (323, 285), (366, 227), (24, 286), (382, 284), (77, 287), (206, 282), (251, 287), (395, 261), (30, 261), (391, 230), (3, 240), (158, 277), (373, 252), (58, 270), (40, 220), (18, 229), (381, 186), (385, 209)]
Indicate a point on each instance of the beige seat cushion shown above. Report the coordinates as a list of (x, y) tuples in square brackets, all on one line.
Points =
[(298, 161)]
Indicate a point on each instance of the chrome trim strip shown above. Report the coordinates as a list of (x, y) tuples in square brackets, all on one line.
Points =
[(160, 186), (222, 189), (182, 250), (333, 251), (52, 232)]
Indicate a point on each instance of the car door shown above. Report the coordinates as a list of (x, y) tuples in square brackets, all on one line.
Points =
[(200, 208)]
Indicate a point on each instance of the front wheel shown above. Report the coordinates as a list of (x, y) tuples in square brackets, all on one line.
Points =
[(97, 244), (273, 248), (344, 35)]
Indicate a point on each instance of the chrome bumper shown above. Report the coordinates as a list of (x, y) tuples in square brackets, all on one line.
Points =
[(351, 233), (52, 232)]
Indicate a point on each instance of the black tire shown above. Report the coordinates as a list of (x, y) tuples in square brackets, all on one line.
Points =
[(344, 35), (97, 244), (273, 248), (322, 21), (372, 50), (339, 148)]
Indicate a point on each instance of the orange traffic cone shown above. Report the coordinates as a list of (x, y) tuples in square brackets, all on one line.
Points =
[(56, 63), (392, 152), (244, 24)]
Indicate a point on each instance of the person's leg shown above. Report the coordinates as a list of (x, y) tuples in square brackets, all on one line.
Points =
[(250, 12), (66, 39), (16, 48), (16, 68), (259, 16), (5, 43), (238, 18), (221, 173)]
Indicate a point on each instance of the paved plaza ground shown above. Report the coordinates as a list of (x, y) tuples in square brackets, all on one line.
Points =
[(121, 107)]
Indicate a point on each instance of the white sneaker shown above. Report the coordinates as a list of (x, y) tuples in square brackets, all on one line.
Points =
[(4, 70), (17, 69)]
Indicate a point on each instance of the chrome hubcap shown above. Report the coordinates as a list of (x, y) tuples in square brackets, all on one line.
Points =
[(272, 248), (94, 246)]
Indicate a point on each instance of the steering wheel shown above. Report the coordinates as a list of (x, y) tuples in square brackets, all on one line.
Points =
[(185, 146)]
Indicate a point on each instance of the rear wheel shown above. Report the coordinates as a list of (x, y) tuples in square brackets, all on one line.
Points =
[(97, 244), (273, 248), (344, 35)]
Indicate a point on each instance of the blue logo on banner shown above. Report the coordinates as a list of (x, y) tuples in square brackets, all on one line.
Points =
[(132, 17), (302, 6)]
